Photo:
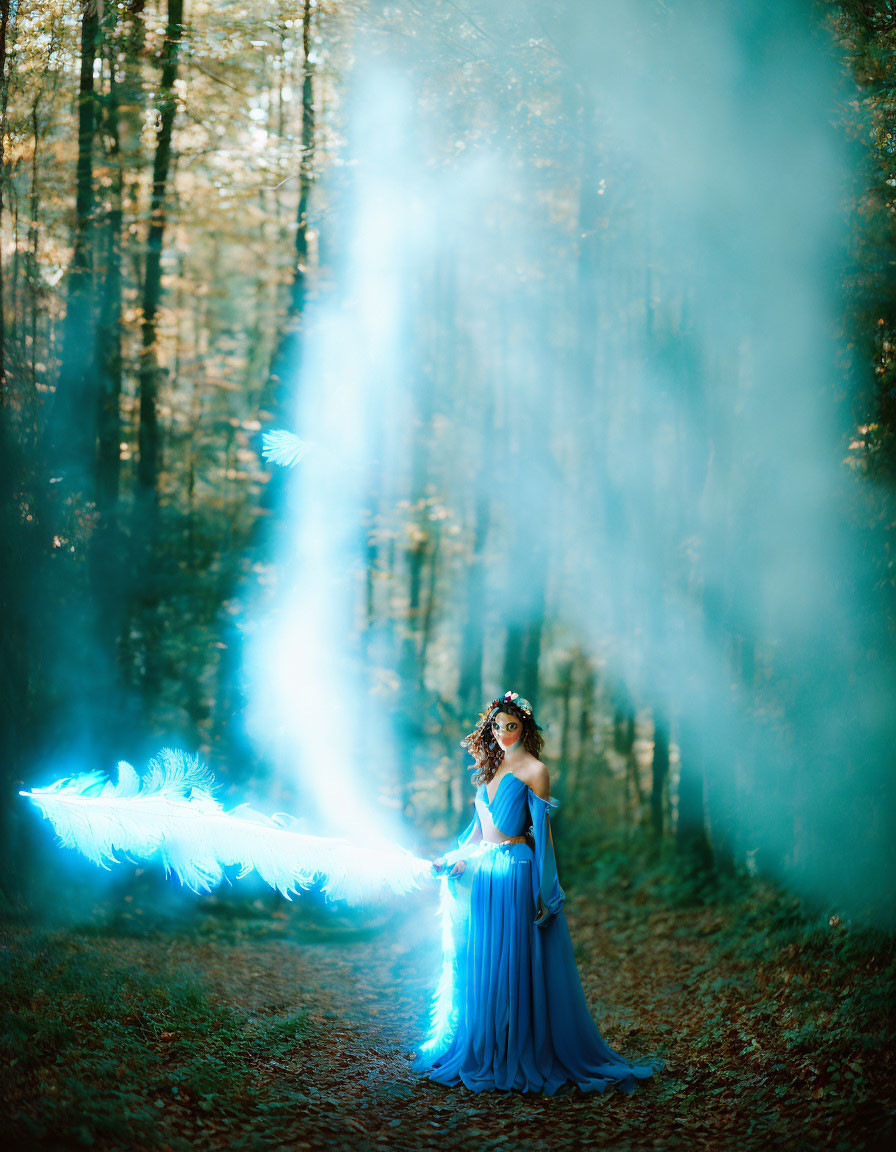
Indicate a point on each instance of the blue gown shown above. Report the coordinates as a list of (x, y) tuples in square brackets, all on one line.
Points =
[(509, 1012)]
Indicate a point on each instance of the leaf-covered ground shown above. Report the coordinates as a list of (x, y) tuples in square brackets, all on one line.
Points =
[(280, 1028)]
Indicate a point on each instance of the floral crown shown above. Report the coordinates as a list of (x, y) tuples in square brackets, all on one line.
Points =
[(511, 698)]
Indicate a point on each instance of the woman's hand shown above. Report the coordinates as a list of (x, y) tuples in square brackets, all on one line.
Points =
[(439, 863)]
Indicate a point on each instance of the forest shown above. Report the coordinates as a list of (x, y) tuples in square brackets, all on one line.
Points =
[(360, 362)]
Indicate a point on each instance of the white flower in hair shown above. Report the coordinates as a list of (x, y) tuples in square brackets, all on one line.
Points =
[(520, 702)]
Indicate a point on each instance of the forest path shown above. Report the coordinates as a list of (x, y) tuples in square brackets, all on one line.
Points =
[(316, 1022)]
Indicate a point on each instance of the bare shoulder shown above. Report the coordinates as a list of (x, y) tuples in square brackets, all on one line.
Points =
[(536, 776)]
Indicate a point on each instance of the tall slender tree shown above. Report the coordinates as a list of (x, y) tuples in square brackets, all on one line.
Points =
[(659, 772), (109, 332), (287, 357), (4, 96), (75, 430), (148, 464)]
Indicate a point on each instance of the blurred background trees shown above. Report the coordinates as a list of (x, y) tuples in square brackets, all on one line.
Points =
[(165, 223)]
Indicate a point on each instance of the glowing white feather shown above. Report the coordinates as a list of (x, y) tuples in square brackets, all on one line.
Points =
[(283, 448), (172, 815), (443, 1004)]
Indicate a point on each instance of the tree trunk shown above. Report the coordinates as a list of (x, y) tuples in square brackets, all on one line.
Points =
[(306, 168), (287, 358), (75, 422), (109, 360), (660, 772), (585, 741), (148, 463), (472, 641), (4, 96), (429, 610), (565, 688), (16, 573), (691, 840), (146, 523), (108, 550), (32, 273), (411, 667), (623, 722), (522, 653)]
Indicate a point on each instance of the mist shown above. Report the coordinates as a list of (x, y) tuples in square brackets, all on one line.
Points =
[(650, 403)]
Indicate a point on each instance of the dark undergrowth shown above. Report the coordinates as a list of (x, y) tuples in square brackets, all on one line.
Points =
[(778, 992), (163, 1020), (94, 1053)]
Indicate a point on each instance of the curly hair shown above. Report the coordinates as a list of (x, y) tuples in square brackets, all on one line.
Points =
[(484, 748)]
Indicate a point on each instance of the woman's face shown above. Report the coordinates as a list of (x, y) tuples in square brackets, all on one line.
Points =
[(507, 729)]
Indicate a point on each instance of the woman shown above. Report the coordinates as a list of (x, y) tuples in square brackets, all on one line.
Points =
[(509, 1012)]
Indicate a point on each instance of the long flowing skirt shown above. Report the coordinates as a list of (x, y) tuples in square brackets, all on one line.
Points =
[(522, 1019)]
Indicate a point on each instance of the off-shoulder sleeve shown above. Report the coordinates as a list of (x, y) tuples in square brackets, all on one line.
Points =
[(546, 890)]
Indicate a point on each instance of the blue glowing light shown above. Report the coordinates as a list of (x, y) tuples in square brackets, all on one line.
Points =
[(171, 816)]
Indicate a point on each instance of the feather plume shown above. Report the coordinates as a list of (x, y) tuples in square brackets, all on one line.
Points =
[(283, 448), (443, 1005), (171, 815)]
